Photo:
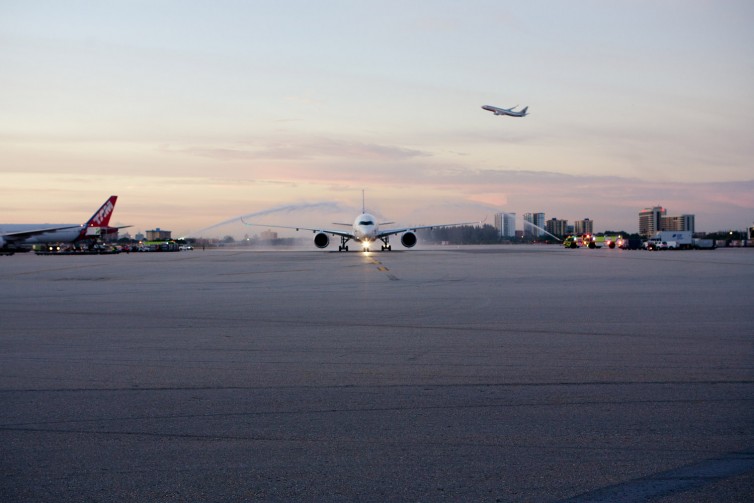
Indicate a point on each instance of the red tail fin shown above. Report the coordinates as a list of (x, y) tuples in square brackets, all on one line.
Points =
[(101, 217)]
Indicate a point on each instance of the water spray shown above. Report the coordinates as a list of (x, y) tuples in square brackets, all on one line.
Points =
[(289, 208)]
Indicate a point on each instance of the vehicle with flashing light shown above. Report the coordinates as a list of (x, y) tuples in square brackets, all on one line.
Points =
[(592, 241)]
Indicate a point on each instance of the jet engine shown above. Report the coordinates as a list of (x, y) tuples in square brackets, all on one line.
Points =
[(321, 240), (408, 239)]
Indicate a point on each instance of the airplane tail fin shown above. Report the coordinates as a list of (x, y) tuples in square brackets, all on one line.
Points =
[(99, 221), (523, 112), (101, 217)]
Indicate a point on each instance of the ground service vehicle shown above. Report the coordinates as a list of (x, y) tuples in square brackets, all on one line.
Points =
[(592, 241), (579, 241), (681, 240)]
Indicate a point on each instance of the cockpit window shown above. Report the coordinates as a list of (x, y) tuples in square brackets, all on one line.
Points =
[(366, 222)]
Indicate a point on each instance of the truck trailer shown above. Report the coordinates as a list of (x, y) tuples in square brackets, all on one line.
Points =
[(681, 240)]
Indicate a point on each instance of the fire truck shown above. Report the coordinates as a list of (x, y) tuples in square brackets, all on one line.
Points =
[(592, 241)]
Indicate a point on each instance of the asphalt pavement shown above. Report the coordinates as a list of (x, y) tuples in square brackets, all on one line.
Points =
[(505, 373)]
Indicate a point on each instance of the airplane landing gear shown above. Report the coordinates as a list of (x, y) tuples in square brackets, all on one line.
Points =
[(343, 246), (386, 244)]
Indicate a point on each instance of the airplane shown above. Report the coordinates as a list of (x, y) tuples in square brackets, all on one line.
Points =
[(13, 237), (364, 230), (506, 111)]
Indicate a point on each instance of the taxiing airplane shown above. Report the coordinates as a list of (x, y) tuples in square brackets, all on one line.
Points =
[(364, 230), (13, 237), (506, 111)]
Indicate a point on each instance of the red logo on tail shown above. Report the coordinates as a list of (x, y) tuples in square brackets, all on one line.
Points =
[(101, 217)]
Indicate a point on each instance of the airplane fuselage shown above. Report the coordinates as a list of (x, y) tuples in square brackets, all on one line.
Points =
[(365, 228), (511, 112), (53, 236), (13, 236)]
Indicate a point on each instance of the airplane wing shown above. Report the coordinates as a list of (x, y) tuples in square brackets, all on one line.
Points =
[(389, 232), (333, 232), (12, 237)]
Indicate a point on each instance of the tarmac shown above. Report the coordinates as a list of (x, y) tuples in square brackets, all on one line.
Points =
[(490, 373)]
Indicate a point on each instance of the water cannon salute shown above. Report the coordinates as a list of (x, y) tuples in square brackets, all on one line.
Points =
[(365, 230)]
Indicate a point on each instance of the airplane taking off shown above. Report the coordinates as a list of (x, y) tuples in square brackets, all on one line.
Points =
[(14, 236), (365, 230), (506, 111)]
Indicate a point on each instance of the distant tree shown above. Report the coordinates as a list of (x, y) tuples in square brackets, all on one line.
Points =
[(462, 234), (727, 235)]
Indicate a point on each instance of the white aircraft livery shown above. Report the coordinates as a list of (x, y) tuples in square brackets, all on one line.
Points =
[(365, 230), (507, 111), (15, 236)]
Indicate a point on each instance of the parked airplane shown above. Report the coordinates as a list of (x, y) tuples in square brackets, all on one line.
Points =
[(14, 236), (365, 230), (507, 111)]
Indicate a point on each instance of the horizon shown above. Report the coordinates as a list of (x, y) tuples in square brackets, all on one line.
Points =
[(196, 112)]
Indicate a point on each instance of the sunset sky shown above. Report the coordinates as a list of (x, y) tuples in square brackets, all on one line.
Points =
[(196, 112)]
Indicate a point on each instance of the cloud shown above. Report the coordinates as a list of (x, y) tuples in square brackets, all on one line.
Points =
[(301, 149)]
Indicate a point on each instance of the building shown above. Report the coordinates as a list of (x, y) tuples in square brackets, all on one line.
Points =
[(159, 235), (557, 227), (650, 221), (534, 224), (654, 220), (681, 223), (505, 223), (528, 224), (539, 222), (585, 226)]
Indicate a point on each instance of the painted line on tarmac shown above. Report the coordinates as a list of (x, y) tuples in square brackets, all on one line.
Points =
[(673, 481), (382, 268)]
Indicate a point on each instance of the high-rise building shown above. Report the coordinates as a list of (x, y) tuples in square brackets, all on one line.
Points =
[(539, 221), (653, 220), (528, 226), (505, 223), (585, 226), (557, 227), (650, 220), (681, 223), (534, 224), (499, 223), (158, 235)]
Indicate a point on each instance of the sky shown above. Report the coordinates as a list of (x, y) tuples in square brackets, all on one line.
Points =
[(197, 112)]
